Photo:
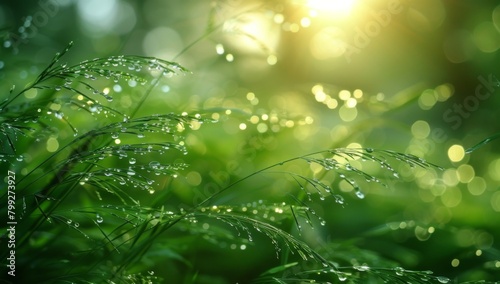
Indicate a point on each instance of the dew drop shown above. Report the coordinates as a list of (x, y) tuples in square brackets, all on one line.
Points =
[(339, 199), (99, 218), (154, 165), (443, 279), (362, 268), (369, 150), (342, 277), (360, 194), (132, 161), (399, 271)]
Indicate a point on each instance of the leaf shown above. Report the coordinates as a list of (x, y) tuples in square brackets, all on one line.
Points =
[(482, 143), (280, 268)]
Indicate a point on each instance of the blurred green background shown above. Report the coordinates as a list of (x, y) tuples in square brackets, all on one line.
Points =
[(289, 77)]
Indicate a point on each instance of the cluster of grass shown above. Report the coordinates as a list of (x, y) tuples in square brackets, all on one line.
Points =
[(102, 197), (99, 207)]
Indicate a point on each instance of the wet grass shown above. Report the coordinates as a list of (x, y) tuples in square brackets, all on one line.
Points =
[(96, 201)]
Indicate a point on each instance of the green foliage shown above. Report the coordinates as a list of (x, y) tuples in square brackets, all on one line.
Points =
[(102, 197), (84, 218)]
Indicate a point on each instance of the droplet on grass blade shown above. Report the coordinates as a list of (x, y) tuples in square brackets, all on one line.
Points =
[(443, 279), (360, 194), (399, 271), (99, 219)]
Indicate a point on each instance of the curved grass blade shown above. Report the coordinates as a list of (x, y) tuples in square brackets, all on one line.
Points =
[(482, 143)]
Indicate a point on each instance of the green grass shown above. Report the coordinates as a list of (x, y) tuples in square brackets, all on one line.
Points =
[(110, 190), (90, 210)]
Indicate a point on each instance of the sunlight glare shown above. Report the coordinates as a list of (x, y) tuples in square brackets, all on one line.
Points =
[(336, 7)]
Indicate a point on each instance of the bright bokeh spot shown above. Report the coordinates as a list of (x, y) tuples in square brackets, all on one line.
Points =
[(193, 178), (427, 99), (456, 153), (272, 59), (465, 173), (486, 37), (420, 129), (52, 144), (477, 186), (348, 114), (496, 17), (358, 94), (344, 95), (494, 169), (451, 197), (305, 22), (450, 177), (219, 48), (444, 92), (495, 201)]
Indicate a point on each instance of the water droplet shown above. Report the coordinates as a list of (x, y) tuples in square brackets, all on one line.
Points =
[(131, 172), (369, 150), (99, 218), (360, 194), (132, 161), (399, 271), (154, 165), (443, 279), (362, 268), (58, 115)]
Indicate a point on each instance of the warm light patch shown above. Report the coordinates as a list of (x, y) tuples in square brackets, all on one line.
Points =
[(332, 7)]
